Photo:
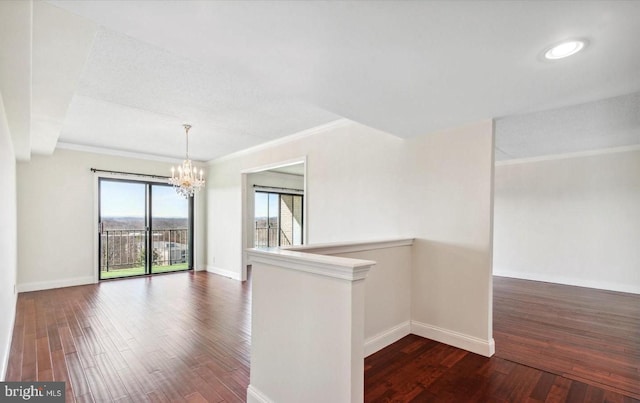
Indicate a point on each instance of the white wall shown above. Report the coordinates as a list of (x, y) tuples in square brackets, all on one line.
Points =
[(56, 215), (339, 191), (365, 184), (8, 240), (451, 199), (572, 221), (387, 296)]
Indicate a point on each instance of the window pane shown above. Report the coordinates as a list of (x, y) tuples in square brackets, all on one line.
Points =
[(170, 224), (261, 233)]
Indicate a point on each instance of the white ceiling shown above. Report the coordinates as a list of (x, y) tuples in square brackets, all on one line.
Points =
[(247, 72)]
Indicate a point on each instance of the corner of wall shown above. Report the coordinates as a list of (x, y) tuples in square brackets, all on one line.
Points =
[(8, 240), (225, 273), (255, 396), (379, 341), (5, 357), (475, 345)]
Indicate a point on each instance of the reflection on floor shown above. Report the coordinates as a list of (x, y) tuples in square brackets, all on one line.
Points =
[(580, 333)]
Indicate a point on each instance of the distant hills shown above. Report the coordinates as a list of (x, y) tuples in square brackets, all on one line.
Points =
[(116, 223)]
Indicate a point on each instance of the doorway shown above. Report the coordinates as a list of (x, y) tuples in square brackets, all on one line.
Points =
[(274, 206), (143, 228)]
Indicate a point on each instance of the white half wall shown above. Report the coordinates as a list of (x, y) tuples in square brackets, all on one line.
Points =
[(307, 327), (8, 241), (572, 221), (56, 216)]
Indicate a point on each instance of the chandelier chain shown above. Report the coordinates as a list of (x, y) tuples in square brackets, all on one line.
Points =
[(186, 130)]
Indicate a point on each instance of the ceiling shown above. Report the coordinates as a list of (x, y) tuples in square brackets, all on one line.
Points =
[(607, 123), (124, 75)]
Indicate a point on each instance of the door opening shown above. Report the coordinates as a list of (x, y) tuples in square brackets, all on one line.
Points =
[(274, 207)]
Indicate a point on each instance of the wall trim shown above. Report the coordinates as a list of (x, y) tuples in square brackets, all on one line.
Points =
[(383, 339), (7, 350), (47, 285), (550, 278), (118, 153), (349, 247), (254, 395), (479, 346), (223, 272), (578, 154)]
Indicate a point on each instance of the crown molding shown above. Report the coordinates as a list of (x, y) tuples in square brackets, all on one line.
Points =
[(119, 153), (578, 154), (151, 157)]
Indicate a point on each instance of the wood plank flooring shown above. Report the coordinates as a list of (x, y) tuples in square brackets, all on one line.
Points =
[(583, 334), (415, 369), (185, 337), (175, 337)]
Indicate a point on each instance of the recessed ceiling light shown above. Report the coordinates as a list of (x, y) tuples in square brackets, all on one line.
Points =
[(564, 49)]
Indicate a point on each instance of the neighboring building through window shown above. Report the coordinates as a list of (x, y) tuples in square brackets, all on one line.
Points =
[(278, 219)]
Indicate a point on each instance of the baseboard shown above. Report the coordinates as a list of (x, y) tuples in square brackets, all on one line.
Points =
[(7, 350), (463, 341), (47, 285), (383, 339), (550, 278), (255, 396), (225, 273)]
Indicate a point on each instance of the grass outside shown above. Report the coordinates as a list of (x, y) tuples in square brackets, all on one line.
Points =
[(136, 271)]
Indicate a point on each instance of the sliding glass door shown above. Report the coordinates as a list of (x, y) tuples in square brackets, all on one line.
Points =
[(278, 219), (144, 228)]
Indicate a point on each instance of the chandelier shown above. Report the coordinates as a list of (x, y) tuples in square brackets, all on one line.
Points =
[(186, 182)]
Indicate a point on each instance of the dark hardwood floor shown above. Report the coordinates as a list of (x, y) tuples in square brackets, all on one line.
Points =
[(415, 369), (174, 337), (584, 334), (185, 337)]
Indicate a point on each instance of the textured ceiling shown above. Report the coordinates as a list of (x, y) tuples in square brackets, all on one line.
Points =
[(134, 97), (245, 72), (607, 123)]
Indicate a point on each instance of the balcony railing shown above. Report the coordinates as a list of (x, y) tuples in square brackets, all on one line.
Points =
[(268, 237), (126, 248)]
